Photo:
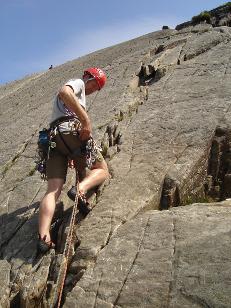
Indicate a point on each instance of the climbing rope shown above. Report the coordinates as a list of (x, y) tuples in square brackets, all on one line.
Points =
[(57, 297)]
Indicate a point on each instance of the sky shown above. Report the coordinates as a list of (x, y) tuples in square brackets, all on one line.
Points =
[(37, 33)]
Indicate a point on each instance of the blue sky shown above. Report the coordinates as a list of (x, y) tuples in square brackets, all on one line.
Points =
[(37, 33)]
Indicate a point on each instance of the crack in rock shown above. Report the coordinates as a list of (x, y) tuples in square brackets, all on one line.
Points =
[(133, 262), (34, 288), (111, 229), (97, 291), (173, 261), (203, 50), (132, 155), (12, 161), (219, 166), (185, 183)]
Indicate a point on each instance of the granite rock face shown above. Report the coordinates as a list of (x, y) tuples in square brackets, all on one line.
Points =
[(175, 258), (163, 122)]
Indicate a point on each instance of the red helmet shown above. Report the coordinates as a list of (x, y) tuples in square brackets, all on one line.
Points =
[(98, 74)]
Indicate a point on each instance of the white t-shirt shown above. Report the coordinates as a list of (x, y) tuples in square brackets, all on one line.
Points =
[(60, 109)]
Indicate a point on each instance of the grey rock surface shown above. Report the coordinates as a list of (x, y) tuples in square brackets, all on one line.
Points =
[(163, 121), (4, 284), (175, 258)]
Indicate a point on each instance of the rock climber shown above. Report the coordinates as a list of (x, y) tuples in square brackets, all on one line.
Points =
[(72, 137)]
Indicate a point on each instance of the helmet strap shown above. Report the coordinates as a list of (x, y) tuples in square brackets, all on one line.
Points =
[(88, 78), (97, 92)]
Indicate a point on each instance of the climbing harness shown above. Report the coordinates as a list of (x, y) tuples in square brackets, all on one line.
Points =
[(46, 142), (57, 297)]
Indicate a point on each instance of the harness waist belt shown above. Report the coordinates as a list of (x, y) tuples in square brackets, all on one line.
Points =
[(62, 120)]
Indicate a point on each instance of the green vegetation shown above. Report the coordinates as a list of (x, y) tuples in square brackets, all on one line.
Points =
[(206, 15), (198, 199), (227, 4), (203, 16)]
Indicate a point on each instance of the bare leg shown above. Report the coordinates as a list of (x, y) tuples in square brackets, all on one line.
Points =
[(97, 175), (47, 206)]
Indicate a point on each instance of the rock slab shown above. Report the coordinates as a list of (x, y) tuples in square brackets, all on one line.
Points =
[(177, 258)]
